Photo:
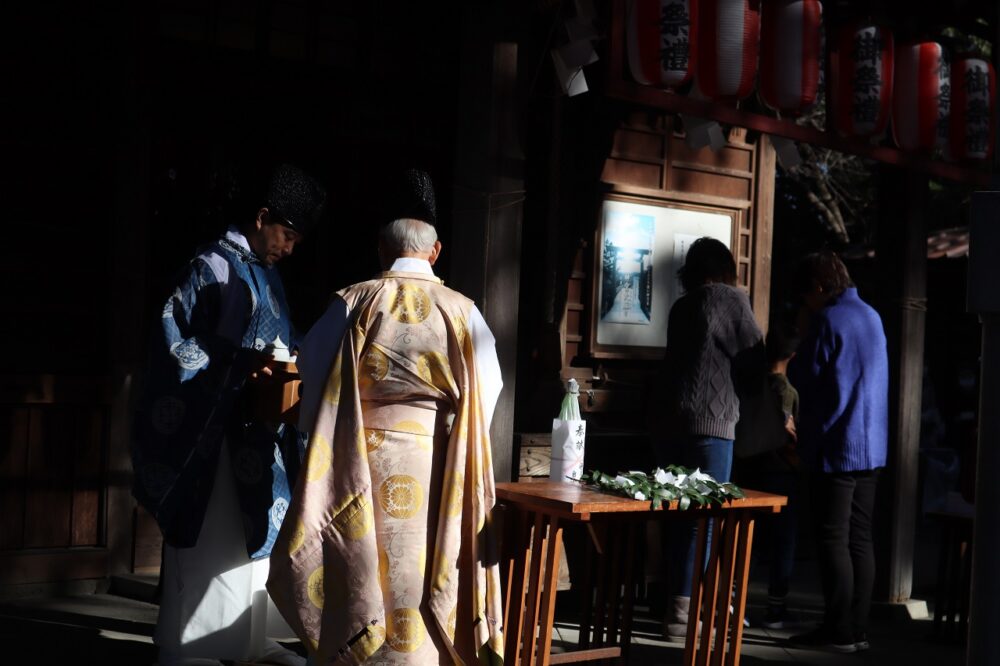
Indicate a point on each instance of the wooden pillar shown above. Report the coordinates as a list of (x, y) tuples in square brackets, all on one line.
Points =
[(763, 231), (488, 190), (902, 270)]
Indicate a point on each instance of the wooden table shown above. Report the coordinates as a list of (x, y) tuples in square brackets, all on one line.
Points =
[(533, 543)]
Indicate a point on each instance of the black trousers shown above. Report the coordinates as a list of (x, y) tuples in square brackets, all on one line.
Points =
[(843, 504)]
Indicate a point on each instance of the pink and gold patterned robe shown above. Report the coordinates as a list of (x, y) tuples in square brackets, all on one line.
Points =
[(387, 554)]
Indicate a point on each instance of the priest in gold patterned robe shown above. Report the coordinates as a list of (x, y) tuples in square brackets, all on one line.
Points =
[(387, 553)]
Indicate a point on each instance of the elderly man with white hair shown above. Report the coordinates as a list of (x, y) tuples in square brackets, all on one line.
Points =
[(387, 548)]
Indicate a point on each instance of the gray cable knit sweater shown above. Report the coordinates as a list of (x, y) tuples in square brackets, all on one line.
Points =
[(714, 347)]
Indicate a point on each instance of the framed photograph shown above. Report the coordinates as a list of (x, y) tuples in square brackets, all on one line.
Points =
[(640, 244)]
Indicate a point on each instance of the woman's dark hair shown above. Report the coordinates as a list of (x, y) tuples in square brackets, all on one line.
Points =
[(825, 269), (707, 260)]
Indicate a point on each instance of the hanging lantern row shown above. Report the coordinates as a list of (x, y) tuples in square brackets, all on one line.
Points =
[(933, 104)]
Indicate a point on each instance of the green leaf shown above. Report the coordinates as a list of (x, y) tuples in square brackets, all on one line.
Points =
[(684, 503)]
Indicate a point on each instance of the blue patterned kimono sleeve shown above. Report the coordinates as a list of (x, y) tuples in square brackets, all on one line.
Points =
[(190, 318)]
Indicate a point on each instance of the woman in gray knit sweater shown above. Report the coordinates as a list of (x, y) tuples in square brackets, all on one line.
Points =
[(714, 347)]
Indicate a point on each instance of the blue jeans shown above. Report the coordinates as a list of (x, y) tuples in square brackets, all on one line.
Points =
[(714, 456)]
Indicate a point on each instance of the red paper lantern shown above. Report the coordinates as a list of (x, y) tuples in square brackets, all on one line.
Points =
[(661, 41), (728, 39), (790, 53), (861, 86), (921, 96), (973, 108)]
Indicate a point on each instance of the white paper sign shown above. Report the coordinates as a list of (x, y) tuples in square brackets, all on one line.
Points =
[(568, 438)]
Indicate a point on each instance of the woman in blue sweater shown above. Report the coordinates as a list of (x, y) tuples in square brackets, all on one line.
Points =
[(842, 374)]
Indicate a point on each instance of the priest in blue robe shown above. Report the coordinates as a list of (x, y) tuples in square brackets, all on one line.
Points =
[(214, 475)]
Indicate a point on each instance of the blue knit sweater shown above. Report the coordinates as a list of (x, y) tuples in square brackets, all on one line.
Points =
[(842, 374)]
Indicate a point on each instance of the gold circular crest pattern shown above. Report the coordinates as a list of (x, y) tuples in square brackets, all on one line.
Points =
[(376, 364), (405, 630), (359, 524), (298, 538), (314, 587), (433, 368), (420, 435), (453, 482), (373, 439), (410, 304), (443, 574), (401, 496), (319, 457), (412, 427)]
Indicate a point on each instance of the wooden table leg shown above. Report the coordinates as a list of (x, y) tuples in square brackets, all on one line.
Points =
[(548, 609), (710, 593), (697, 593), (600, 604), (744, 546), (518, 552), (530, 631), (614, 598), (730, 529), (593, 558), (629, 591)]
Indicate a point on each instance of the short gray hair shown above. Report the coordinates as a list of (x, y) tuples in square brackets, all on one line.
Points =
[(409, 235)]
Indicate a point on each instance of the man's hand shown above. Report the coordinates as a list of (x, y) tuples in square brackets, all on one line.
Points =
[(262, 366)]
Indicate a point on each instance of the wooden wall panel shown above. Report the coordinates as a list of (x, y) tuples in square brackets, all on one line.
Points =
[(639, 145), (736, 159), (575, 292), (54, 451), (88, 479), (13, 466), (573, 320), (640, 174), (49, 493), (717, 184)]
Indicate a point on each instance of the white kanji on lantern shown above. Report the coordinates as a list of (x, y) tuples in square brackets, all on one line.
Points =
[(921, 96), (728, 40), (973, 108), (861, 72), (661, 38), (790, 53)]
